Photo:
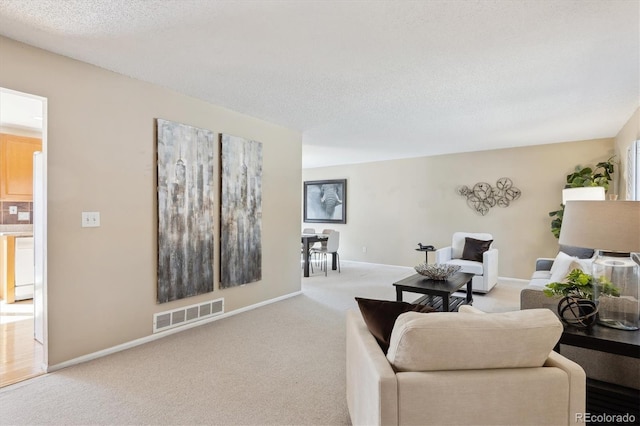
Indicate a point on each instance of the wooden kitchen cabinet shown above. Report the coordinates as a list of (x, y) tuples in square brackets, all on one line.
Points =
[(16, 167)]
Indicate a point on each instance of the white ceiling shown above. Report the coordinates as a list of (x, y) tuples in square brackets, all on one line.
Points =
[(369, 80)]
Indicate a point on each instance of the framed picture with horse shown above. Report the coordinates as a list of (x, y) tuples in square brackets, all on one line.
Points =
[(325, 201)]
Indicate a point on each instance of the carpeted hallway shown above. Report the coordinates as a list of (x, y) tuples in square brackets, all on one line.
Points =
[(281, 364)]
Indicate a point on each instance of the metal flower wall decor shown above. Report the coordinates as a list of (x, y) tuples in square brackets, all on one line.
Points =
[(483, 196)]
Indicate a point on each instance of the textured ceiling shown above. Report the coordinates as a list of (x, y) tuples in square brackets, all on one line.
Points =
[(369, 80)]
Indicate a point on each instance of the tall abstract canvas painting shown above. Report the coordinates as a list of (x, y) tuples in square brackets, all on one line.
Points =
[(241, 212), (186, 185)]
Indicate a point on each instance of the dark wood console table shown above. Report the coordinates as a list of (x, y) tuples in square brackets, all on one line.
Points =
[(602, 397), (603, 339)]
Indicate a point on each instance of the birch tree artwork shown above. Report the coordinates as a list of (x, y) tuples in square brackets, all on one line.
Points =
[(241, 212), (185, 210)]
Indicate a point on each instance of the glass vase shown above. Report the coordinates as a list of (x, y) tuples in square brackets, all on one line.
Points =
[(617, 283)]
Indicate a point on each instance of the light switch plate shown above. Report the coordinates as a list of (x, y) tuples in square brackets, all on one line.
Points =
[(24, 216), (90, 219), (13, 209)]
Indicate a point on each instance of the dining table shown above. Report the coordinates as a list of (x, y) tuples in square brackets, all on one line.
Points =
[(307, 241)]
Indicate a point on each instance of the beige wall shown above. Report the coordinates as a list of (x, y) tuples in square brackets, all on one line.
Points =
[(101, 148), (394, 205), (627, 135)]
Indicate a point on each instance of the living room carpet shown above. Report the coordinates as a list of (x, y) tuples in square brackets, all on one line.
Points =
[(280, 364)]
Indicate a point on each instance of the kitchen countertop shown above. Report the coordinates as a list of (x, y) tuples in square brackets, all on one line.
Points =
[(16, 234), (16, 230)]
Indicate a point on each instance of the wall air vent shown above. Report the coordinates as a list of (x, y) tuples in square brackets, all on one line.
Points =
[(187, 315)]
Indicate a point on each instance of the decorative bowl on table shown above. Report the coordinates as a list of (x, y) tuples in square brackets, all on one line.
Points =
[(438, 271)]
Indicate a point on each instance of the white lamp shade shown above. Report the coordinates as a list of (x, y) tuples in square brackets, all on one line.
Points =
[(602, 225), (584, 193)]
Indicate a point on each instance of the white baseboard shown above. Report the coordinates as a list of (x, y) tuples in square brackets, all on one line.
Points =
[(377, 264), (156, 336)]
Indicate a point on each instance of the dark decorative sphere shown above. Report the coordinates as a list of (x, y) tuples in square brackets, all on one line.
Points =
[(577, 312)]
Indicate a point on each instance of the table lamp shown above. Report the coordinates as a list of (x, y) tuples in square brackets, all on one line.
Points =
[(612, 229), (583, 193)]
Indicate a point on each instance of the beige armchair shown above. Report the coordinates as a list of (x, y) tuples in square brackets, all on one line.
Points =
[(463, 368)]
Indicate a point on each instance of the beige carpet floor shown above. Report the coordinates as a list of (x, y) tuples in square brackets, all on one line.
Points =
[(281, 364)]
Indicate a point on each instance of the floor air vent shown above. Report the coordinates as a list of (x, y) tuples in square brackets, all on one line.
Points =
[(187, 314)]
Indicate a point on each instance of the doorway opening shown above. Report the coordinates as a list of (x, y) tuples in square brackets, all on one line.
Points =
[(23, 140)]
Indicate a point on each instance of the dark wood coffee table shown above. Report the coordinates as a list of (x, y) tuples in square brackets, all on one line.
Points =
[(438, 293)]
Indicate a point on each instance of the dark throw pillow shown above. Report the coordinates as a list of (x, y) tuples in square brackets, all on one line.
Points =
[(380, 316), (473, 249)]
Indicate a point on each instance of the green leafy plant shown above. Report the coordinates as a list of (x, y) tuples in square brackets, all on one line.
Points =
[(581, 285), (556, 221), (600, 176), (583, 177)]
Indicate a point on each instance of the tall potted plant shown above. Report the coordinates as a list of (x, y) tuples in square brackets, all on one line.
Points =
[(583, 177)]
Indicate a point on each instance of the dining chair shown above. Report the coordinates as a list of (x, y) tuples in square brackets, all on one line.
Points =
[(322, 244), (302, 253), (332, 245)]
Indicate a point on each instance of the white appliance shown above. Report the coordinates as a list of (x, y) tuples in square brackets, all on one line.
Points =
[(24, 276)]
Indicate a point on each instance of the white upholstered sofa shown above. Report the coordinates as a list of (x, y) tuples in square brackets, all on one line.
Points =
[(486, 272), (549, 270), (463, 368)]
